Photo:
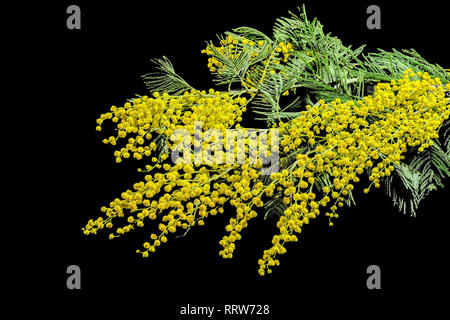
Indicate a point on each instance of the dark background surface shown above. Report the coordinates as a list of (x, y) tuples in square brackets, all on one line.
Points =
[(84, 72)]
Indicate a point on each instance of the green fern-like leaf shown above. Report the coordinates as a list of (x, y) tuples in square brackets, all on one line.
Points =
[(165, 79), (412, 183)]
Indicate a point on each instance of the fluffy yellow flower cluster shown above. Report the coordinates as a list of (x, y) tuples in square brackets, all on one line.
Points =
[(286, 49), (184, 196), (163, 114), (232, 47), (344, 143), (343, 140), (181, 193)]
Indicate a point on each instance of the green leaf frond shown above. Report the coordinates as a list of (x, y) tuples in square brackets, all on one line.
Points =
[(411, 183), (165, 79), (385, 65), (275, 206), (414, 186), (250, 33), (267, 101)]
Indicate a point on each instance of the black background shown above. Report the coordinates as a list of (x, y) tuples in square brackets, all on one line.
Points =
[(84, 72)]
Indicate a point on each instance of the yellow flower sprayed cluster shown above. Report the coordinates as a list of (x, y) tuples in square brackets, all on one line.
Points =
[(145, 118), (345, 139), (181, 193), (183, 196), (405, 113)]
